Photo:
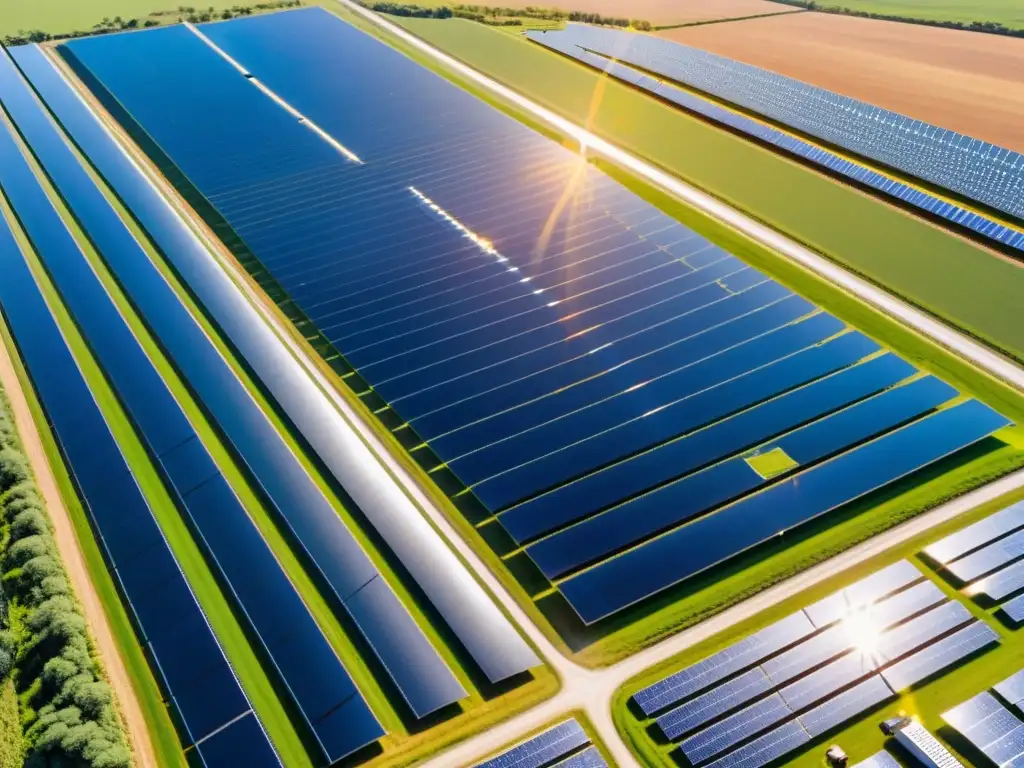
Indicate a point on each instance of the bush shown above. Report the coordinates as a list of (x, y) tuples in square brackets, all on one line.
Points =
[(69, 720)]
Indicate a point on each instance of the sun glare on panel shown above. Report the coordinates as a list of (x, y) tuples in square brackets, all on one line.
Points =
[(864, 633)]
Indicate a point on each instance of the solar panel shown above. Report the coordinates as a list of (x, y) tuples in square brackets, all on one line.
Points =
[(1012, 688), (684, 499), (736, 728), (827, 680), (585, 496), (808, 654), (717, 701), (767, 748), (738, 656), (901, 640), (588, 758), (990, 727), (938, 656), (542, 750), (488, 636), (1014, 609), (879, 760), (1001, 584), (977, 535), (866, 591), (203, 706), (988, 558), (846, 705), (657, 565), (568, 42)]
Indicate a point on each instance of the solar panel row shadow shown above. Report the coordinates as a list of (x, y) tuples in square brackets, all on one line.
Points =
[(978, 170), (489, 637), (234, 544), (938, 656), (687, 498), (195, 674), (659, 564), (531, 332), (542, 750)]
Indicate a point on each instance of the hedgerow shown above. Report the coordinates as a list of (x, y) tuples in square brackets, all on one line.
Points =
[(67, 712)]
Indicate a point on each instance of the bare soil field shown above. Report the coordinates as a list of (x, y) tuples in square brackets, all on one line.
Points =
[(965, 81), (669, 12)]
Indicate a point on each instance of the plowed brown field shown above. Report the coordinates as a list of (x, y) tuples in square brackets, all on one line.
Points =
[(668, 12), (965, 81)]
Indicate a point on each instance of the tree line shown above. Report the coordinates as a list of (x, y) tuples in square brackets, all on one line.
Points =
[(987, 27), (67, 711), (501, 15), (117, 24)]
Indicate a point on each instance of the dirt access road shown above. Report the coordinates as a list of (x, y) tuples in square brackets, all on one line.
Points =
[(74, 564), (965, 81)]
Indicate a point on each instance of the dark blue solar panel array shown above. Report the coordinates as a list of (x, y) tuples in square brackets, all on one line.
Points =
[(840, 708), (324, 693), (479, 625), (552, 328), (879, 760), (415, 667), (544, 749), (588, 758), (989, 174), (664, 561), (213, 710)]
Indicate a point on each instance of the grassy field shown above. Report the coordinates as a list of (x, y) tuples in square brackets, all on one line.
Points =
[(1010, 13), (862, 738), (58, 16), (945, 275)]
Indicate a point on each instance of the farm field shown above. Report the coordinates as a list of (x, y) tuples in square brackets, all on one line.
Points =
[(665, 13), (1010, 13), (966, 285), (861, 736), (57, 16), (896, 66)]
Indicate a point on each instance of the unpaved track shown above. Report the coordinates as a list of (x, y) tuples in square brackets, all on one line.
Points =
[(74, 564), (968, 82)]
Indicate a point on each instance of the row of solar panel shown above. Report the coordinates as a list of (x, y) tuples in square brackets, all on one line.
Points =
[(992, 728), (693, 495), (936, 206), (986, 557), (307, 664), (842, 701), (323, 692), (488, 636), (449, 310), (564, 746), (989, 174), (662, 562), (213, 710), (845, 683), (879, 760)]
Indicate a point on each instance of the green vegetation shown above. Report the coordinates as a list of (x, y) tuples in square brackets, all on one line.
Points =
[(961, 283), (501, 16), (36, 22), (771, 463), (66, 710), (1000, 17), (11, 746), (861, 738)]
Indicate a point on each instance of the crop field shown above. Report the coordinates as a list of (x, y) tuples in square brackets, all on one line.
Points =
[(896, 66), (860, 735), (57, 16), (1006, 12), (665, 13), (962, 283)]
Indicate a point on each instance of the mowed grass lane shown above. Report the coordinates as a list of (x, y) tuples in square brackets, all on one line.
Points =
[(961, 283)]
